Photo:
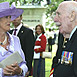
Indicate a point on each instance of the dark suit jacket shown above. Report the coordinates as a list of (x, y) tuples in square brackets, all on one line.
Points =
[(59, 50), (62, 70), (27, 43)]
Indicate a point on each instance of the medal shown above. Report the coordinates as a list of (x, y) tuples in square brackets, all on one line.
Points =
[(67, 57)]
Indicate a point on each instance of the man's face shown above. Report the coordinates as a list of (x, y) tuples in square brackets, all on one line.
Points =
[(17, 21), (62, 20)]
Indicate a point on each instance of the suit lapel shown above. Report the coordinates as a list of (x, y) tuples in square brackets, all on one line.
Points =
[(11, 31), (21, 31)]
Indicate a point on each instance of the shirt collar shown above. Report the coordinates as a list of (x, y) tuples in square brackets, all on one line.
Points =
[(39, 35), (3, 51), (73, 32), (11, 40), (18, 28)]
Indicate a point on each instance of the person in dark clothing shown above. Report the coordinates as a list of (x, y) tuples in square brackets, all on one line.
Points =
[(64, 63), (50, 41)]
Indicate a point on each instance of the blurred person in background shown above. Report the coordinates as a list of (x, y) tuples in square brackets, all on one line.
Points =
[(40, 46), (50, 37)]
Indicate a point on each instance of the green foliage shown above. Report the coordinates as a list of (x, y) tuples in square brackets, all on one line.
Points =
[(4, 1), (50, 13)]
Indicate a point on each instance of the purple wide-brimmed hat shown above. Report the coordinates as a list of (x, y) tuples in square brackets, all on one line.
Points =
[(16, 13), (5, 10)]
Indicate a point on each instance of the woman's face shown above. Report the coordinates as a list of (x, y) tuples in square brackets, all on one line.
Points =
[(38, 30), (5, 23)]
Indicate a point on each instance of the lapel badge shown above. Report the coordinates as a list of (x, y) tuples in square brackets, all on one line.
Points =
[(22, 31), (64, 46)]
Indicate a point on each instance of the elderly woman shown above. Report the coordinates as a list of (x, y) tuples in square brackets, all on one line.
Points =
[(9, 43)]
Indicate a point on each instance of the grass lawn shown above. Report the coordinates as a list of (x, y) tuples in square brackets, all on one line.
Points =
[(48, 62)]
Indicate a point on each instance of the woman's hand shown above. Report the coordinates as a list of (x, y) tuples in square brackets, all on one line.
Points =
[(27, 74), (12, 69)]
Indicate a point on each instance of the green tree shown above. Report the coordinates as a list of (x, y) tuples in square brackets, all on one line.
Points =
[(50, 13)]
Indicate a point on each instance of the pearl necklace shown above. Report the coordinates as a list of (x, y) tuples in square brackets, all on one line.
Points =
[(4, 42)]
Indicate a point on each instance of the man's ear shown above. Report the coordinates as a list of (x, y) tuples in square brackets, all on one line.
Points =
[(72, 16), (21, 17)]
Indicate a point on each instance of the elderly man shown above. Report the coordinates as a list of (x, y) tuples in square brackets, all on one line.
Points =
[(65, 64)]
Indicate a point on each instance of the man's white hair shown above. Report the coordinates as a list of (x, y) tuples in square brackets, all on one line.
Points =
[(71, 5)]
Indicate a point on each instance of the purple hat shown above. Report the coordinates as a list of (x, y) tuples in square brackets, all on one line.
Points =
[(16, 13), (5, 10)]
